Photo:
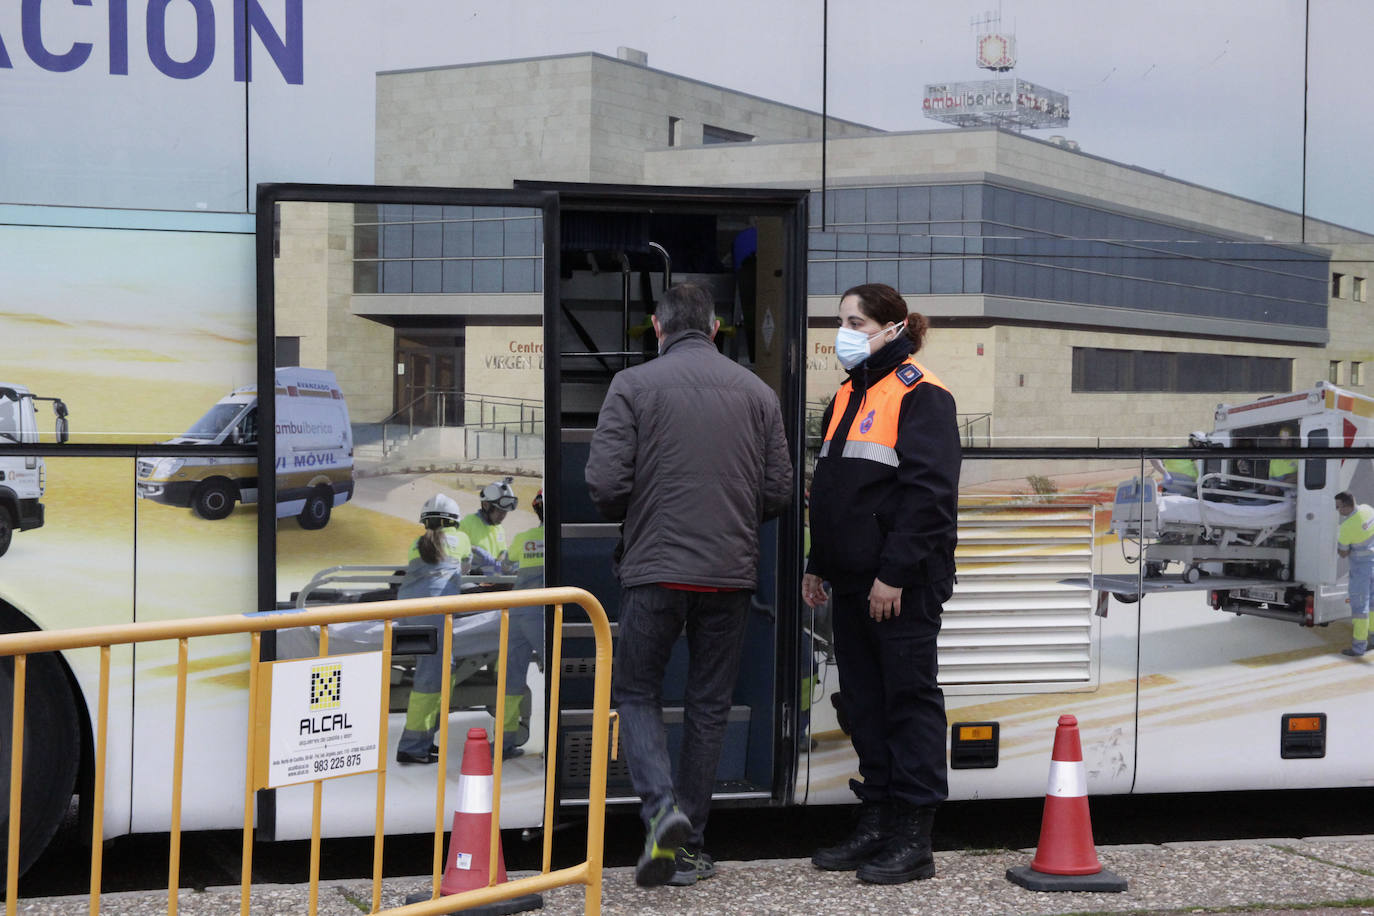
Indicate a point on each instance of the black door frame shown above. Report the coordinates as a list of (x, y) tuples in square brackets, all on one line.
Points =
[(791, 206)]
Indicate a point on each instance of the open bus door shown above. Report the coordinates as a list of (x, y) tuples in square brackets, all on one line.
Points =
[(620, 247), (473, 333)]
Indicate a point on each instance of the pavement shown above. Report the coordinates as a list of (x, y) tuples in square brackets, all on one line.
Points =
[(1314, 876)]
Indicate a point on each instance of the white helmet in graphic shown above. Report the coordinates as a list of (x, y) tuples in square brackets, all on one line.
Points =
[(499, 494), (439, 510)]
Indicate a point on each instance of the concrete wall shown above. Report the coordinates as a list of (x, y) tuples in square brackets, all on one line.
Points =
[(583, 117), (482, 126)]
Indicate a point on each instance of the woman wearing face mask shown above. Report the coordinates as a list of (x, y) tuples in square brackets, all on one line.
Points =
[(883, 507)]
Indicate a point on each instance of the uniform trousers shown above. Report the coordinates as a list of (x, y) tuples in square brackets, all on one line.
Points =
[(651, 619), (1361, 580), (891, 696)]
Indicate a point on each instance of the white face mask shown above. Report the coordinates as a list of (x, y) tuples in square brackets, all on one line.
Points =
[(851, 346)]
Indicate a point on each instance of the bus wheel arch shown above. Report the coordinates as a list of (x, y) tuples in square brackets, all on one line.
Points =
[(57, 745), (213, 499)]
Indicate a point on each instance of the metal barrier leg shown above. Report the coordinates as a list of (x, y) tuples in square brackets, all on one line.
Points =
[(21, 667), (382, 736), (98, 802), (249, 794), (315, 812), (178, 761)]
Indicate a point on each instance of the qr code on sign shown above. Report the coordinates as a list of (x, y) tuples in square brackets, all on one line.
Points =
[(326, 686)]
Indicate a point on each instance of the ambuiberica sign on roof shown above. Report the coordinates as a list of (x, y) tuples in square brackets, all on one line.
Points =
[(318, 718)]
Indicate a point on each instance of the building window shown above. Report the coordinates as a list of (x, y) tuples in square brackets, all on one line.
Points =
[(1100, 370), (400, 248), (288, 351), (1357, 289), (1333, 372), (1354, 372), (673, 129), (712, 134), (1336, 285)]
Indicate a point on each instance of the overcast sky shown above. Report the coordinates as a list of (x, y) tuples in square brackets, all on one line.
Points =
[(1209, 91)]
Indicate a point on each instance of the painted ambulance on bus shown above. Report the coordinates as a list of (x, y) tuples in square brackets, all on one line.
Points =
[(314, 453)]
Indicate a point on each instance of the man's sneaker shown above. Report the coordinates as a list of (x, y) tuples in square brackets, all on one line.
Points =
[(1352, 651), (668, 830), (693, 865)]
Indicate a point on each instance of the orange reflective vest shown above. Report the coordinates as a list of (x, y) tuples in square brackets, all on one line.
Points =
[(873, 434)]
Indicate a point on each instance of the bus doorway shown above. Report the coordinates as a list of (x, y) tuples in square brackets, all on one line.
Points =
[(620, 248)]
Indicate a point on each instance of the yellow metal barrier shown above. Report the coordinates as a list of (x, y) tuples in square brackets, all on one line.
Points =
[(587, 873)]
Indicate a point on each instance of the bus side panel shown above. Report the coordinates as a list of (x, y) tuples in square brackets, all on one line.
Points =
[(1022, 641), (1219, 687)]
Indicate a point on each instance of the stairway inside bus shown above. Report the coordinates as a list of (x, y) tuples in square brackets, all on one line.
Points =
[(615, 266)]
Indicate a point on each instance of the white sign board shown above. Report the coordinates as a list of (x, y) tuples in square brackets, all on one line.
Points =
[(324, 718)]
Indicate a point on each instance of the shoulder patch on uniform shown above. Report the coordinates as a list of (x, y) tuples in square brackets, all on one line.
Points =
[(908, 374)]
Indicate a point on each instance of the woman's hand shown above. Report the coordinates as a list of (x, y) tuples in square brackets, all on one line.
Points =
[(813, 590), (884, 601)]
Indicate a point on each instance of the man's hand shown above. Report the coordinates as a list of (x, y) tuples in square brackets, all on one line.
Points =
[(813, 590), (884, 601)]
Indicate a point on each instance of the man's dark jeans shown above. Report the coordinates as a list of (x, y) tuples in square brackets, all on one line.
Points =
[(651, 619)]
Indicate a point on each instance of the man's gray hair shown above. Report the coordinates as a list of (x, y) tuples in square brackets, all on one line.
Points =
[(685, 307)]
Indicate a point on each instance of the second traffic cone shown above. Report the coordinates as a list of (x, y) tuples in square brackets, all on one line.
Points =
[(1065, 858), (469, 845)]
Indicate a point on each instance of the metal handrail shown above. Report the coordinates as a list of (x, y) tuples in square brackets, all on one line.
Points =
[(527, 422), (588, 872)]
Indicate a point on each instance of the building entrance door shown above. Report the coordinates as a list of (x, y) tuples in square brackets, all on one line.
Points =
[(429, 380)]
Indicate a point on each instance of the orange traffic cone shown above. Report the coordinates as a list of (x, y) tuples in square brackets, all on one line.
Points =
[(1065, 859), (469, 845)]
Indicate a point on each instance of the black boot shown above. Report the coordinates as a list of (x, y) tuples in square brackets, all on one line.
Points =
[(907, 855), (869, 837)]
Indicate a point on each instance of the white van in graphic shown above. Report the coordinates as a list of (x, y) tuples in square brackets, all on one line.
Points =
[(314, 453), (23, 477)]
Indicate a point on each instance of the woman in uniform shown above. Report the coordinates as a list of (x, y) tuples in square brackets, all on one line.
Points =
[(883, 528)]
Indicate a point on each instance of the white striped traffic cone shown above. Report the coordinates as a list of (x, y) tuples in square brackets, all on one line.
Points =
[(1065, 858), (469, 845)]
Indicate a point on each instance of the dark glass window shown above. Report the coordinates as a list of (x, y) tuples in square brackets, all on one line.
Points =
[(848, 207), (518, 275), (884, 272), (914, 276), (913, 204), (712, 134), (850, 273), (427, 276), (881, 204), (947, 275), (820, 278), (395, 276), (457, 276), (947, 202), (486, 276), (1100, 369)]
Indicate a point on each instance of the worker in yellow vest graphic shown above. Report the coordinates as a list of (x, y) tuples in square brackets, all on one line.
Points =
[(1355, 541), (483, 528)]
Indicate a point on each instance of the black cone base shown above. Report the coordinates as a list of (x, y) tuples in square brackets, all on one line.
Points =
[(499, 908), (1104, 882)]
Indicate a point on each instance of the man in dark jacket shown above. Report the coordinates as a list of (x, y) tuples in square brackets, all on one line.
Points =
[(689, 454)]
